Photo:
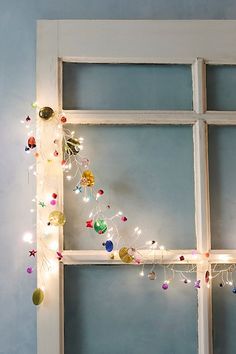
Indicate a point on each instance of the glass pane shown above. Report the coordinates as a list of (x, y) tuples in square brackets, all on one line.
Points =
[(224, 314), (221, 87), (222, 169), (127, 86), (110, 309), (146, 172)]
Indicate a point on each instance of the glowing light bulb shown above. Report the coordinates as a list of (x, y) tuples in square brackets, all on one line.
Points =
[(68, 178), (230, 283), (86, 199), (28, 237), (141, 273), (53, 246), (162, 248)]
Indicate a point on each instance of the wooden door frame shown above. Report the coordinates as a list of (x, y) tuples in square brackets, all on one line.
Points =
[(108, 41)]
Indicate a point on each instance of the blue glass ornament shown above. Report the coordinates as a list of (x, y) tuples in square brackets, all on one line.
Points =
[(234, 290), (109, 246)]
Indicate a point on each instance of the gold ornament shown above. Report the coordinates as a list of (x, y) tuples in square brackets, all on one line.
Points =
[(124, 255), (46, 113), (57, 218), (87, 178), (72, 146), (38, 296)]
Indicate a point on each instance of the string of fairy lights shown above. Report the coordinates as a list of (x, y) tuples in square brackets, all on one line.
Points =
[(101, 220)]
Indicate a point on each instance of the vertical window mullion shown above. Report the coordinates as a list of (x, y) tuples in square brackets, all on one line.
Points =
[(202, 209)]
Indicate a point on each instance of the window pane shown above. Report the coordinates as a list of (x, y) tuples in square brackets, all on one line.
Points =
[(224, 314), (146, 172), (110, 309), (127, 86), (222, 169), (221, 87)]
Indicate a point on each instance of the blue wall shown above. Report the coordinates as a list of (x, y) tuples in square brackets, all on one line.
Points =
[(17, 90)]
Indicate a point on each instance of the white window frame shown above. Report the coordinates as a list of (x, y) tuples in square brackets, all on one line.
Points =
[(104, 41)]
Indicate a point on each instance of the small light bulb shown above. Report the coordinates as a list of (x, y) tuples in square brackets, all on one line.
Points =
[(28, 237), (68, 178), (86, 199), (32, 210), (141, 273), (230, 283), (53, 245), (162, 248)]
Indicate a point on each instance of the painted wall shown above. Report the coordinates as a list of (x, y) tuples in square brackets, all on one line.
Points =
[(17, 91)]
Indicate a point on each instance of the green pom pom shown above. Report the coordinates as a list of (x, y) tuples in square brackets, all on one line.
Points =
[(38, 296), (100, 226)]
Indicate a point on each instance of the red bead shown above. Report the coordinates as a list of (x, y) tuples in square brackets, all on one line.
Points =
[(54, 195), (63, 119), (100, 192), (181, 258), (55, 153), (124, 218)]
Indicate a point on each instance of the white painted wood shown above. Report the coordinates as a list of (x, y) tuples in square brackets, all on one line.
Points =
[(166, 257), (202, 207), (49, 180), (147, 40), (102, 257), (130, 117), (148, 117), (199, 85), (202, 214), (129, 41)]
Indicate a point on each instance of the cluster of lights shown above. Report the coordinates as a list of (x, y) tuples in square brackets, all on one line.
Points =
[(97, 219)]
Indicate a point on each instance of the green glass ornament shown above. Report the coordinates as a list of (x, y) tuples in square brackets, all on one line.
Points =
[(38, 296), (100, 226), (46, 113)]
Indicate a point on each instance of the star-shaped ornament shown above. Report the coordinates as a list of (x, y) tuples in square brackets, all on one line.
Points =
[(32, 253)]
